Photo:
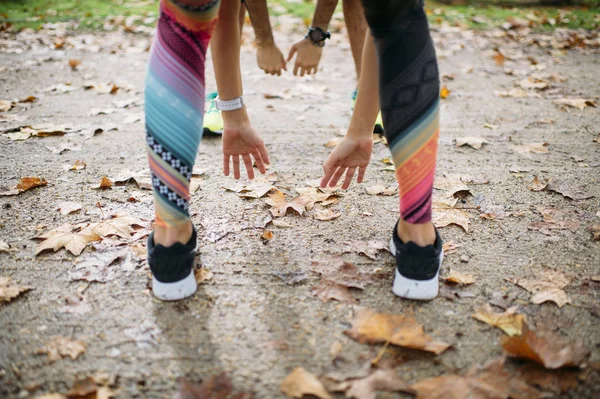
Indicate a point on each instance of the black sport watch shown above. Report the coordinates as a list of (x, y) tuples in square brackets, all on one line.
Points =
[(317, 36)]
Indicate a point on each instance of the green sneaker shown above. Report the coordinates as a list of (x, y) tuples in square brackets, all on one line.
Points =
[(378, 128), (213, 121)]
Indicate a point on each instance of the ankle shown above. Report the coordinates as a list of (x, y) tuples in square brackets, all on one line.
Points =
[(421, 234), (169, 235)]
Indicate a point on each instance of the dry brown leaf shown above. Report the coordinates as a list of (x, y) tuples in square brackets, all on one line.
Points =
[(326, 214), (327, 290), (342, 273), (546, 286), (580, 103), (370, 249), (4, 247), (516, 92), (87, 388), (27, 183), (371, 327), (555, 381), (67, 207), (267, 234), (491, 381), (532, 83), (537, 184), (73, 63), (380, 189), (78, 165), (535, 148), (300, 382), (453, 187), (444, 92), (456, 277), (595, 230), (508, 321), (117, 225), (450, 247), (215, 387), (60, 347), (443, 217), (545, 348), (300, 204), (202, 275), (256, 189), (9, 289), (474, 142), (73, 238), (105, 183), (499, 58), (380, 380), (5, 105), (333, 142), (569, 189)]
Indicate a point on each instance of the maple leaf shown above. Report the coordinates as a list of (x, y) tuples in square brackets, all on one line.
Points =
[(87, 388), (445, 216), (78, 165), (474, 142), (104, 184), (256, 189), (380, 189), (327, 290), (308, 197), (456, 277), (555, 381), (202, 275), (533, 83), (9, 289), (326, 215), (300, 382), (371, 327), (370, 249), (73, 238), (508, 321), (215, 387), (367, 387), (537, 184), (60, 347), (343, 273), (67, 207), (117, 225), (569, 189), (579, 103), (544, 348), (453, 187), (27, 183), (547, 286), (535, 148)]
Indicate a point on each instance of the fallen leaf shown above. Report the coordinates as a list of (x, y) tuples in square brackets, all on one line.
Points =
[(532, 83), (61, 88), (73, 63), (516, 92), (490, 126), (78, 165), (548, 227), (580, 103), (546, 286), (537, 184), (556, 381), (380, 189), (60, 347), (202, 275), (255, 189), (444, 92), (267, 235), (370, 249), (327, 290), (117, 225), (9, 289), (142, 179), (474, 142), (456, 277), (450, 247), (535, 148), (492, 381), (333, 142), (545, 348), (27, 183), (215, 387), (4, 247), (443, 217), (371, 327), (342, 273), (300, 382), (73, 238), (105, 183), (595, 230), (75, 304), (452, 187), (499, 58), (5, 105), (67, 207), (569, 189), (380, 380), (87, 388), (300, 204), (326, 214), (509, 321)]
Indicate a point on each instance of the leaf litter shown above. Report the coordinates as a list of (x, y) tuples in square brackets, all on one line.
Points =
[(546, 286), (215, 387), (300, 382), (10, 289), (508, 321), (60, 347)]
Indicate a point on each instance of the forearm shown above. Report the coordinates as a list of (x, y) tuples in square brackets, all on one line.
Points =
[(367, 101), (323, 13), (259, 15), (225, 49)]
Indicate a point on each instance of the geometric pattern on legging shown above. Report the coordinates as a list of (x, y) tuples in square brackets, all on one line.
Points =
[(409, 99), (174, 103)]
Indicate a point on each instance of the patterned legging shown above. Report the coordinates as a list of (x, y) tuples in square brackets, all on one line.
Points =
[(174, 96)]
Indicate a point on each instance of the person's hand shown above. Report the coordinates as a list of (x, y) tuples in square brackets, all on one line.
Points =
[(308, 57), (243, 141), (270, 59), (350, 154)]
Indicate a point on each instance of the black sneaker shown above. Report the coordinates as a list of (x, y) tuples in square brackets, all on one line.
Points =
[(417, 268), (173, 268)]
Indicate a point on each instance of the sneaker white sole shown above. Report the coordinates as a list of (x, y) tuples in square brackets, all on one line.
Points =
[(176, 290), (422, 290)]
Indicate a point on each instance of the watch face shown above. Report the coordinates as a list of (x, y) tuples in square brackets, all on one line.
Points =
[(316, 35)]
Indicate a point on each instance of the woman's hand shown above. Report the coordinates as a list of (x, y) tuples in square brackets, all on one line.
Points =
[(350, 154), (243, 141)]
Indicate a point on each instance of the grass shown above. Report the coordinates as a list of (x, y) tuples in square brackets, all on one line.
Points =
[(92, 14)]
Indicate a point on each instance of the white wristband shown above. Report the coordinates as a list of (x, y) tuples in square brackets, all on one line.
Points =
[(230, 105)]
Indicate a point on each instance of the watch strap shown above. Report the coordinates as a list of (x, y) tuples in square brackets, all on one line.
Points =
[(230, 105)]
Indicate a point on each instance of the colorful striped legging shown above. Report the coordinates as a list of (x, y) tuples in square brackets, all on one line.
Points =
[(409, 98)]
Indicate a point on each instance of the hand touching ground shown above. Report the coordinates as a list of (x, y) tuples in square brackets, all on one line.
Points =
[(349, 155), (243, 141), (270, 59)]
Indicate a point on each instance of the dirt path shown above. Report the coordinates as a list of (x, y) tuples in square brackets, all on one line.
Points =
[(256, 318)]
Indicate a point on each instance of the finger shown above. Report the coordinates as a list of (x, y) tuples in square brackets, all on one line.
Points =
[(264, 154), (283, 64), (361, 174), (336, 176), (348, 179), (248, 164), (236, 166), (292, 52), (226, 165), (315, 70), (302, 71), (259, 162), (296, 67), (279, 72), (328, 170)]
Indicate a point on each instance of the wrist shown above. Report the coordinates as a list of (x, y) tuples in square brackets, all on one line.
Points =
[(355, 132), (263, 43), (238, 117)]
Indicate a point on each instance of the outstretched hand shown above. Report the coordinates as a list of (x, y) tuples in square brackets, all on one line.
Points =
[(349, 155), (244, 142), (307, 60), (270, 59)]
